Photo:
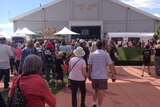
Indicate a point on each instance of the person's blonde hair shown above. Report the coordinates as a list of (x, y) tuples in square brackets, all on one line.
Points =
[(158, 41), (30, 44), (60, 54), (32, 65)]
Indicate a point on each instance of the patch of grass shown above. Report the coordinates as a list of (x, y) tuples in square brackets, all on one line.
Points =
[(60, 84)]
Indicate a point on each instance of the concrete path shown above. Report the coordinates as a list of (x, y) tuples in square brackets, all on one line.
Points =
[(130, 90)]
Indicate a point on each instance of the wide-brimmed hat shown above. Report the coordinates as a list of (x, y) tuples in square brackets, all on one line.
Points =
[(79, 52), (81, 41)]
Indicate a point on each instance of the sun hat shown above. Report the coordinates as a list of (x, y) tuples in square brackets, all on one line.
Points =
[(81, 41), (79, 52)]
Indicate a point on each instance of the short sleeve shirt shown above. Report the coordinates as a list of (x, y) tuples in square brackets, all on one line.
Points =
[(76, 72), (5, 54), (99, 60)]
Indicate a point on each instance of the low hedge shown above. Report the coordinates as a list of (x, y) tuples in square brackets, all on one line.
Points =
[(130, 56)]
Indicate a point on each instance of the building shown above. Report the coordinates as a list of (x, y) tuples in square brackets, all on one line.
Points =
[(90, 18)]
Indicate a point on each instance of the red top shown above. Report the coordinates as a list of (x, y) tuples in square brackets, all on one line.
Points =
[(35, 90), (18, 53)]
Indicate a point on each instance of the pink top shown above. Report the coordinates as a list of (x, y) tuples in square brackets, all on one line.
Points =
[(35, 90), (18, 53)]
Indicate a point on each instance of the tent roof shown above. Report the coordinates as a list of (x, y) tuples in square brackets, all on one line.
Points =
[(66, 31), (58, 1), (24, 31), (36, 10)]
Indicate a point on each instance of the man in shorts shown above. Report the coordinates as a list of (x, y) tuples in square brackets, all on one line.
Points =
[(98, 74)]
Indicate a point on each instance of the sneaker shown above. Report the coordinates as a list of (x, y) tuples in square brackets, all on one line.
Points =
[(94, 105)]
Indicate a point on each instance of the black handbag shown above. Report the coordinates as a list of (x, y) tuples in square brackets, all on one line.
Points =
[(16, 99), (2, 102)]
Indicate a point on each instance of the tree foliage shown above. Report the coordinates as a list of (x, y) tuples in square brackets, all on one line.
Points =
[(157, 33)]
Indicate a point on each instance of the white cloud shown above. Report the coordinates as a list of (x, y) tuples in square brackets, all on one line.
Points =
[(7, 25), (143, 3)]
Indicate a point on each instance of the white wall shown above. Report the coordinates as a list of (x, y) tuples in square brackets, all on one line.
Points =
[(115, 17), (86, 9)]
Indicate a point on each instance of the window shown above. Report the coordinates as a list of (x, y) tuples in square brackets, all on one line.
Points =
[(85, 31)]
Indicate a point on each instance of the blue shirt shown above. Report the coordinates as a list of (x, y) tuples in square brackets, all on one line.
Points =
[(27, 51), (63, 48), (99, 61)]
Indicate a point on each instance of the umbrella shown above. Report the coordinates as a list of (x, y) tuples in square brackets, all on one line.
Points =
[(66, 31)]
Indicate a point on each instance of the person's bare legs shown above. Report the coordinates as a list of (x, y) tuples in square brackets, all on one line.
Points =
[(100, 97), (143, 70), (149, 73), (56, 84), (94, 96), (114, 68)]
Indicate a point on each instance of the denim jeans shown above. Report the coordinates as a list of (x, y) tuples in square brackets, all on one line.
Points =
[(74, 88), (6, 74)]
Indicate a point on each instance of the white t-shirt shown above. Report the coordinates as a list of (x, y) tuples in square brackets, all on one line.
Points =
[(5, 54), (76, 72)]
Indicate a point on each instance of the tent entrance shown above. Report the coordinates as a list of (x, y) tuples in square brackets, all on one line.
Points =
[(87, 32)]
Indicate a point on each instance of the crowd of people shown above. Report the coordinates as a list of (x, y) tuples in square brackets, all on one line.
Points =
[(134, 43), (80, 58)]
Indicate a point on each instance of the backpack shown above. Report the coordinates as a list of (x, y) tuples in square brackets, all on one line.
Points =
[(48, 55), (16, 99), (146, 55)]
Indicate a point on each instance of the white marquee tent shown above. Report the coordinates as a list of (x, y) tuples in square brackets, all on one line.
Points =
[(66, 31), (125, 35), (24, 31)]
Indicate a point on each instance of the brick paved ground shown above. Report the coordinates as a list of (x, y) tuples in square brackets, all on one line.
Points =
[(130, 90)]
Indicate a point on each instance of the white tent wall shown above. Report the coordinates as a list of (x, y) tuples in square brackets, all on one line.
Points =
[(54, 16), (125, 35), (114, 15)]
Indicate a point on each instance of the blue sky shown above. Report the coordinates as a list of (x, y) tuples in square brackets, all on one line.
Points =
[(12, 8)]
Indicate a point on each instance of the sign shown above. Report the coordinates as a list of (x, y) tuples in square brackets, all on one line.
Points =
[(48, 31)]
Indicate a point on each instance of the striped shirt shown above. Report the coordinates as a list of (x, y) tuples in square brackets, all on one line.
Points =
[(99, 60)]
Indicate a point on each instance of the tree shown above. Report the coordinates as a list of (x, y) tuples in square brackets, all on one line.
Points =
[(157, 33)]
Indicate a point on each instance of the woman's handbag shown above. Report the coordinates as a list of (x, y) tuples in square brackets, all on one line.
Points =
[(2, 102), (16, 99)]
